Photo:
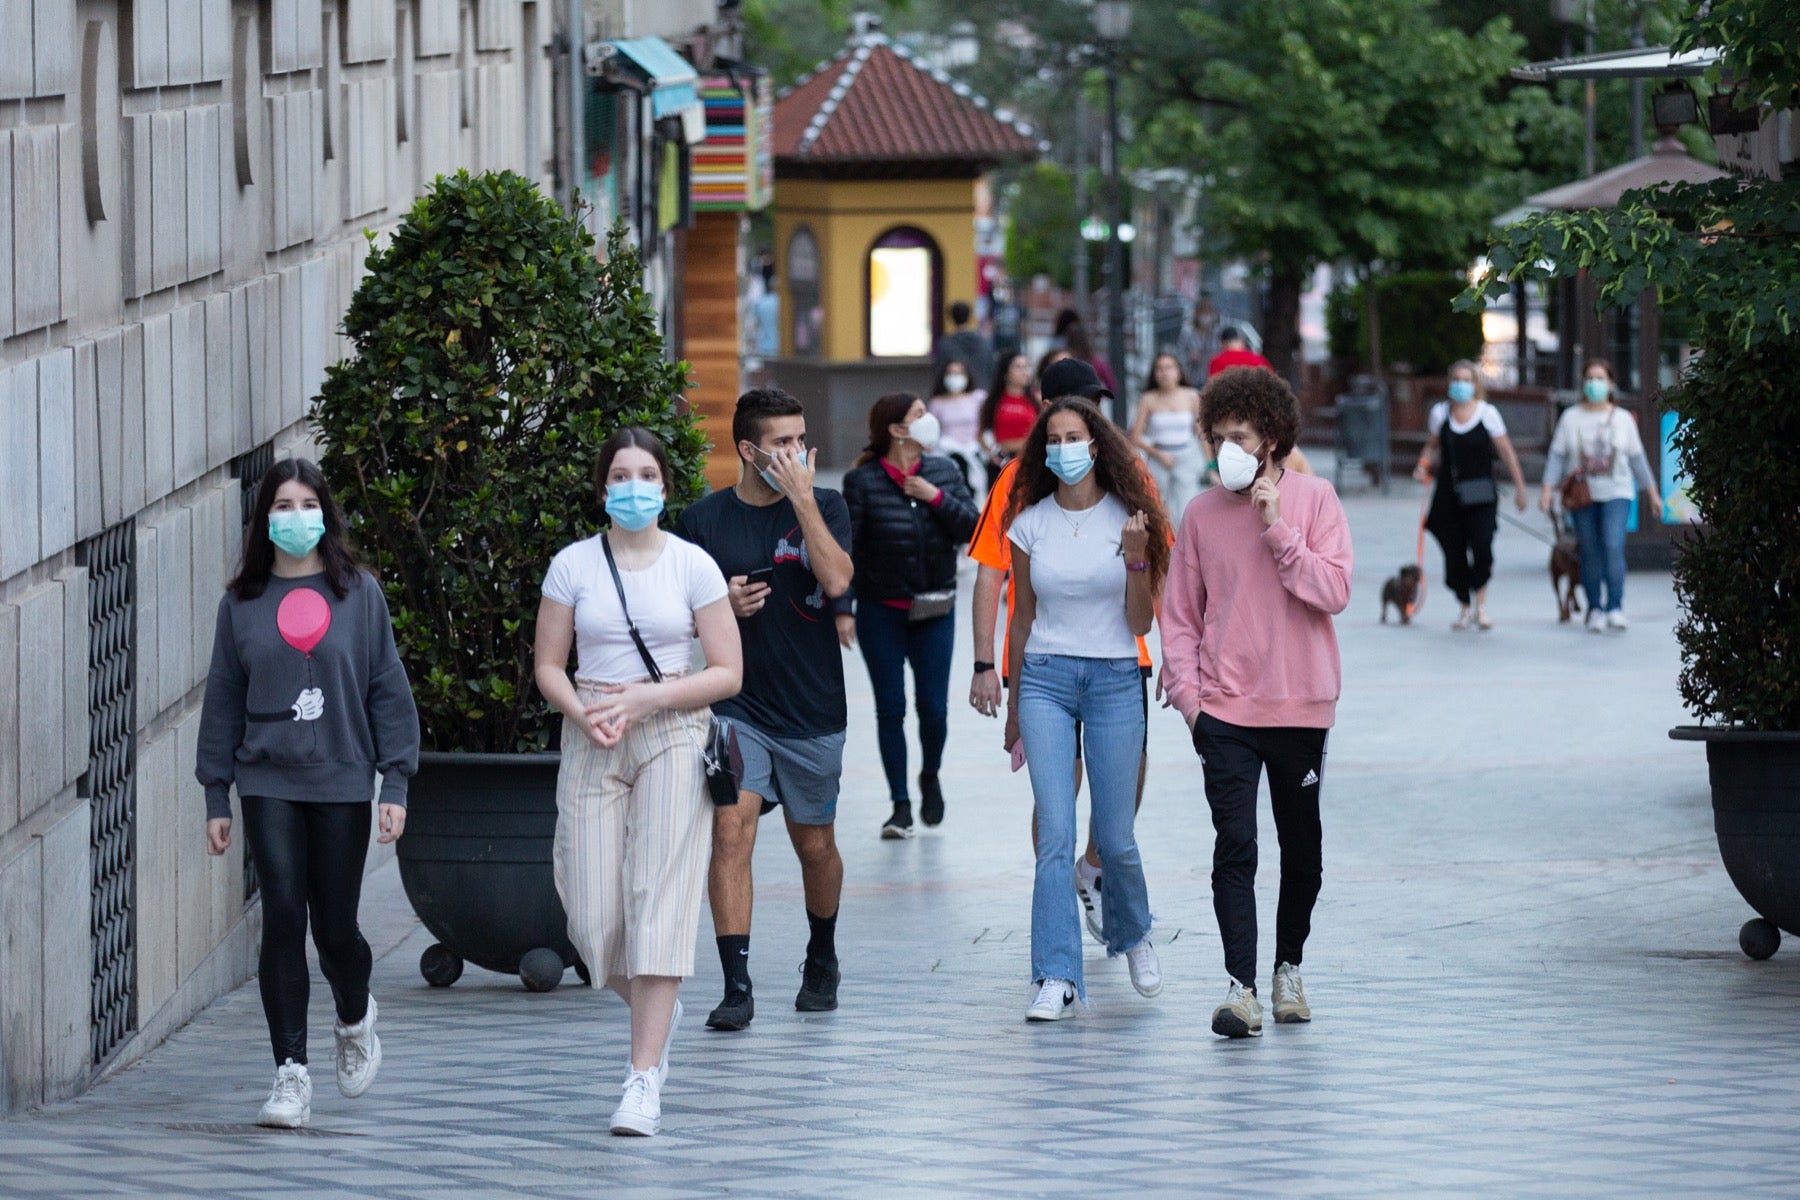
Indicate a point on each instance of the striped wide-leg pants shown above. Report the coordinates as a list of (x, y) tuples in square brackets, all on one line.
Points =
[(633, 841)]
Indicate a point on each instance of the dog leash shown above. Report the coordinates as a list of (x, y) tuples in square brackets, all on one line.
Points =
[(1514, 521), (1419, 557)]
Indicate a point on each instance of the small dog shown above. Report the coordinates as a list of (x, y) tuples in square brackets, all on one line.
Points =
[(1402, 591), (1565, 571)]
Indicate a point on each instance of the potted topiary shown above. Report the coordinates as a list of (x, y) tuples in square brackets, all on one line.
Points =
[(1728, 253), (494, 353)]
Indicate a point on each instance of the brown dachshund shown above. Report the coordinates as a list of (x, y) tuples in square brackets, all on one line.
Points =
[(1565, 572), (1402, 591)]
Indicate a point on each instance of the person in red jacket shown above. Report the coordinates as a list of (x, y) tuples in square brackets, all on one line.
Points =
[(1250, 659), (1234, 351)]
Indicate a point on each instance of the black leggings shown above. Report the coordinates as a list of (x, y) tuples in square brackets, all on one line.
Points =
[(308, 856)]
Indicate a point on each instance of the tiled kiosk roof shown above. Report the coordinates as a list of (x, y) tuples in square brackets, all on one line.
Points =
[(875, 112)]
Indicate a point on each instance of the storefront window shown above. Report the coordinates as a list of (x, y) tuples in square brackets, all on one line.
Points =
[(905, 286), (803, 290)]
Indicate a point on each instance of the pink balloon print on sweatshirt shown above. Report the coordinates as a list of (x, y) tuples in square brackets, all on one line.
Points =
[(303, 619)]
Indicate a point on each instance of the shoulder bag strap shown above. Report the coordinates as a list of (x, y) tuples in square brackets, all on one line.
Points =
[(637, 639)]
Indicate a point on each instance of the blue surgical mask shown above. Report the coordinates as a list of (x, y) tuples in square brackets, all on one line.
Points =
[(634, 504), (297, 531), (1596, 391), (774, 485), (1070, 461), (1461, 391)]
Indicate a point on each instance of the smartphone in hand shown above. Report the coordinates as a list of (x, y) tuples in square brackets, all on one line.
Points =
[(762, 575), (1018, 754)]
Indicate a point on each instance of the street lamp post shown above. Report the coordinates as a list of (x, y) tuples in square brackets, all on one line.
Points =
[(1112, 22)]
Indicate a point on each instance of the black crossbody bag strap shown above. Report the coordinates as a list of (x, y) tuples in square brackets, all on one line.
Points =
[(637, 639)]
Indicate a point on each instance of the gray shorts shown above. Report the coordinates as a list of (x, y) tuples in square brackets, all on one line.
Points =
[(800, 774)]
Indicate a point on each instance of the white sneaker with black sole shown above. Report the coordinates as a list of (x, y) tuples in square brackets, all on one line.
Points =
[(289, 1105), (1056, 999), (640, 1111), (1087, 889), (1290, 996), (1146, 968), (358, 1053)]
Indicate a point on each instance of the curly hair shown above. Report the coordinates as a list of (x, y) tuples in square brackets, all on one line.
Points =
[(1258, 397), (1117, 469)]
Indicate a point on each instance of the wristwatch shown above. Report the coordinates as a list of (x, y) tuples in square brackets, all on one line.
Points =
[(982, 668)]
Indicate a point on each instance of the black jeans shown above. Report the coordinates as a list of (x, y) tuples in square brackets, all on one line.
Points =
[(1233, 759), (1467, 538), (309, 857)]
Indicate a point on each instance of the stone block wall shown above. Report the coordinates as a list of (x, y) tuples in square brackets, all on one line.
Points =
[(184, 190)]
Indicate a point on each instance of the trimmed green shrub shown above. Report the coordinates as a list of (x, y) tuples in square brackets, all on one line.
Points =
[(494, 353), (1418, 325)]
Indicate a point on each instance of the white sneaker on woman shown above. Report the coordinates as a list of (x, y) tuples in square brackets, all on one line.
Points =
[(358, 1053), (289, 1105), (1595, 621), (1615, 621), (1056, 999), (1146, 970), (640, 1111)]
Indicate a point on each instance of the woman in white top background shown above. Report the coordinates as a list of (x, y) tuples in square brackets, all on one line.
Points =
[(634, 825), (1090, 550), (956, 403), (1599, 441), (1467, 433), (1164, 428)]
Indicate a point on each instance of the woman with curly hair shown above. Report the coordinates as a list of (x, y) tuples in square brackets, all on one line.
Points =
[(1090, 550), (1250, 660)]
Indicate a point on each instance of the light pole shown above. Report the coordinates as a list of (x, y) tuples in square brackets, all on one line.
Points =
[(1112, 22)]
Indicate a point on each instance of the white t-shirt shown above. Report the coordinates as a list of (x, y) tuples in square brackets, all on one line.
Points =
[(663, 597), (1078, 577), (1485, 415), (1602, 445)]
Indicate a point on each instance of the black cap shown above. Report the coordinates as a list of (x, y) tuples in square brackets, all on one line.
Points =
[(1071, 377)]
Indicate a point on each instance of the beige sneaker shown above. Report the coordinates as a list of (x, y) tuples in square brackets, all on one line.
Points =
[(1241, 1014), (1290, 996)]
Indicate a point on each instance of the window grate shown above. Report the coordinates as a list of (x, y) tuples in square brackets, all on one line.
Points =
[(249, 468), (110, 784)]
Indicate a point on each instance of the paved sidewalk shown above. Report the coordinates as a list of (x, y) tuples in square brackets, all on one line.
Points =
[(1523, 971)]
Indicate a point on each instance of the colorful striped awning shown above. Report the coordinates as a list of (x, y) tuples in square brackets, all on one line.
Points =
[(734, 168)]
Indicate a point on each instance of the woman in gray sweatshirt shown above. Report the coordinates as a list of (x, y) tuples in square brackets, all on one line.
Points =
[(306, 704)]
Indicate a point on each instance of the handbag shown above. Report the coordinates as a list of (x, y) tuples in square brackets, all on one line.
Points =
[(1470, 493), (928, 606), (720, 754), (1576, 494)]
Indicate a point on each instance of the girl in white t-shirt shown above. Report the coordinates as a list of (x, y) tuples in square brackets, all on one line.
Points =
[(633, 824), (1599, 441), (1090, 549), (1467, 434)]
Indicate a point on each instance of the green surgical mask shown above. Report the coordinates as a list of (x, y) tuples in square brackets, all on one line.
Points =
[(297, 532)]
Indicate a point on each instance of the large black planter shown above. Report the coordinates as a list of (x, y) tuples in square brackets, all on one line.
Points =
[(476, 865), (1756, 815)]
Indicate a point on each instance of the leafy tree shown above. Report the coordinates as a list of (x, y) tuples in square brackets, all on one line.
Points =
[(1420, 328), (1042, 226), (1730, 254), (494, 354), (1357, 131)]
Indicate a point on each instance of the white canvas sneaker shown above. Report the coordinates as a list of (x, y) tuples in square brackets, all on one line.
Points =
[(1241, 1014), (640, 1112), (1087, 889), (1055, 1000), (1595, 621), (289, 1105), (1615, 621), (358, 1053), (1146, 970), (1290, 996)]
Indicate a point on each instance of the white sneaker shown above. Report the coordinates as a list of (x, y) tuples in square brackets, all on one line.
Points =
[(1595, 621), (1616, 620), (1055, 1000), (1146, 971), (662, 1064), (1290, 996), (640, 1112), (358, 1053), (289, 1105), (1087, 887), (1241, 1014)]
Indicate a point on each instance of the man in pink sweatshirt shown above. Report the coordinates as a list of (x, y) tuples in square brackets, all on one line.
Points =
[(1261, 564)]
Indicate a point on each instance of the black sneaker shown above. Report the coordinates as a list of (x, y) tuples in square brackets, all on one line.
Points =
[(734, 1011), (818, 985), (931, 801), (899, 826)]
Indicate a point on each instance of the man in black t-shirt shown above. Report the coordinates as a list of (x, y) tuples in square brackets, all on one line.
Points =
[(784, 547)]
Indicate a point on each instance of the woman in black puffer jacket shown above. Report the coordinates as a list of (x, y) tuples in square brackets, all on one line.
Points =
[(909, 511)]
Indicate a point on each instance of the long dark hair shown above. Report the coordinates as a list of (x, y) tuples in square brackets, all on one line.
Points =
[(631, 437), (1117, 470), (258, 561), (996, 392), (891, 409), (938, 387), (1181, 376)]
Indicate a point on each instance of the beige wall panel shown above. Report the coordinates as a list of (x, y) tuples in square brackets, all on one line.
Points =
[(215, 39), (193, 865), (67, 954), (56, 451), (137, 228), (174, 610), (41, 683), (15, 67), (21, 964), (148, 669), (75, 672), (495, 21), (132, 485), (89, 518), (187, 386), (148, 36), (6, 234), (20, 527), (36, 219), (205, 232), (168, 199), (158, 825), (52, 47), (185, 55), (9, 716), (220, 417), (437, 27)]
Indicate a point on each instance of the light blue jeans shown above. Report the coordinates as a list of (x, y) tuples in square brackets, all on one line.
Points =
[(1600, 529), (1106, 696)]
